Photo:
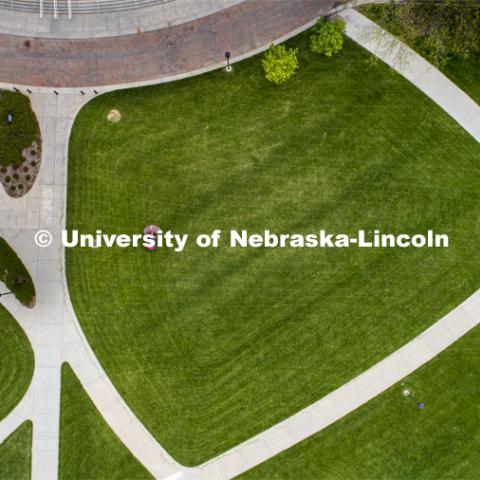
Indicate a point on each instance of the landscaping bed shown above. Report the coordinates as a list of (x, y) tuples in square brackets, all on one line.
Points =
[(15, 276), (20, 144)]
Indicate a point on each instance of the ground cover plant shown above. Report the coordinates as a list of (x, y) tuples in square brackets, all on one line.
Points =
[(20, 144), (391, 438), (327, 37), (16, 368), (88, 447), (16, 454), (453, 48), (15, 276), (23, 130), (210, 347)]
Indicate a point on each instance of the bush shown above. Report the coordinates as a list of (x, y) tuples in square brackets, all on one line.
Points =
[(279, 63), (327, 37)]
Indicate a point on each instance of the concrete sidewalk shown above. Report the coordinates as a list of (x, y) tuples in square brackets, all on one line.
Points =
[(101, 24), (414, 68)]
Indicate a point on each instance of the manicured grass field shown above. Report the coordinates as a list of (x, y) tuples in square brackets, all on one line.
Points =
[(210, 347), (21, 132), (16, 366), (15, 276), (16, 454), (88, 447), (390, 438), (465, 73)]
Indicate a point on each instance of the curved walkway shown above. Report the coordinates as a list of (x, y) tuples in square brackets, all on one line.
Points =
[(415, 69), (81, 7), (53, 328), (110, 17), (190, 46)]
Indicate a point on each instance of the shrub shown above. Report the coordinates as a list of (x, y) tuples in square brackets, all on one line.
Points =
[(327, 37), (440, 30), (279, 63)]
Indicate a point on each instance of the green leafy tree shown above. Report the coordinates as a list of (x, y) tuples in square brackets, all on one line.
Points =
[(327, 37), (439, 29), (280, 63)]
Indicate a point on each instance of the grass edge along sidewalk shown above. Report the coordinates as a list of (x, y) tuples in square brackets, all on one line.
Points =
[(210, 347)]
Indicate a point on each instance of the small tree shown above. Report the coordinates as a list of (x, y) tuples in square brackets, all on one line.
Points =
[(279, 63), (440, 29), (327, 37)]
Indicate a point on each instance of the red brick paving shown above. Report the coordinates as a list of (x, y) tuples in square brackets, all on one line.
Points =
[(155, 54)]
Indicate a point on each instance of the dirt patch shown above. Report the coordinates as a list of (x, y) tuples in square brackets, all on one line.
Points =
[(18, 180), (114, 116)]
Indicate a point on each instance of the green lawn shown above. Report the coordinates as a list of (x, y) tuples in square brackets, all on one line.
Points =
[(390, 438), (16, 454), (15, 276), (465, 73), (21, 133), (210, 347), (16, 366), (88, 447)]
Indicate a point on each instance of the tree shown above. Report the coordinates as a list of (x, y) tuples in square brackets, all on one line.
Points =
[(280, 63), (327, 37), (440, 29)]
